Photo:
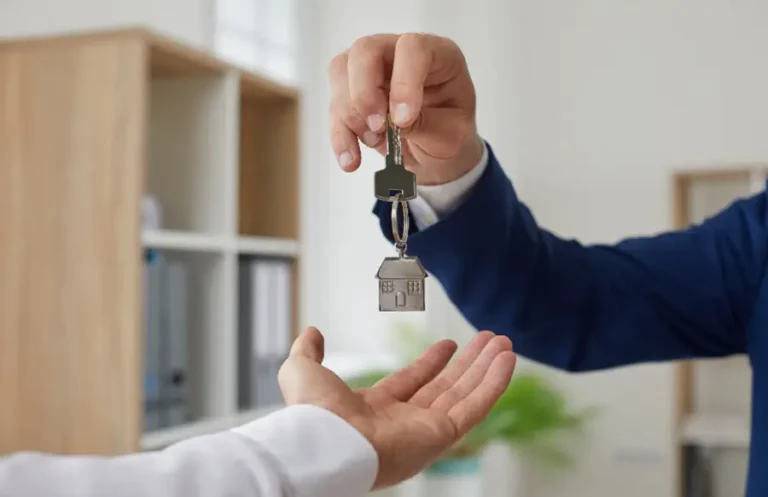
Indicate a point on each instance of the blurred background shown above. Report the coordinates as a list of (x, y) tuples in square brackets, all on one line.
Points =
[(613, 119)]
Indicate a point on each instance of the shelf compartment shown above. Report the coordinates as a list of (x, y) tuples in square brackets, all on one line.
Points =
[(265, 324), (187, 168), (718, 431), (722, 385), (269, 175), (185, 311)]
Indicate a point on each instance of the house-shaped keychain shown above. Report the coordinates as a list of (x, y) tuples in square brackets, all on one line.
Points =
[(401, 284)]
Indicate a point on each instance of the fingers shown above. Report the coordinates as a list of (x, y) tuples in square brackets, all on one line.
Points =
[(309, 344), (345, 124), (369, 58), (476, 406), (379, 74), (414, 57), (450, 375), (474, 375), (407, 381)]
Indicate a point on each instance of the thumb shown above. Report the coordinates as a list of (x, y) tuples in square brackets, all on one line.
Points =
[(309, 344)]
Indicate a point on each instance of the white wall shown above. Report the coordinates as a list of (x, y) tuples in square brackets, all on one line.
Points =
[(188, 20)]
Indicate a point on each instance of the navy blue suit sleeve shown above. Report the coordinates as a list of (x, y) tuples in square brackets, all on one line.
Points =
[(675, 295)]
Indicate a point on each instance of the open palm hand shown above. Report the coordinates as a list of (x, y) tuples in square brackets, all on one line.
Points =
[(414, 415)]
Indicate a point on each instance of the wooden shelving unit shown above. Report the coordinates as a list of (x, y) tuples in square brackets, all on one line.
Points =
[(714, 395), (90, 123)]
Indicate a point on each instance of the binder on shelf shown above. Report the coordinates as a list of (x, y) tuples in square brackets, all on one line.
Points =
[(151, 218), (175, 373), (152, 341), (245, 337), (166, 374), (264, 329)]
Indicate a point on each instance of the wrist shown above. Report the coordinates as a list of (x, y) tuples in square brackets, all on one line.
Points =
[(468, 157)]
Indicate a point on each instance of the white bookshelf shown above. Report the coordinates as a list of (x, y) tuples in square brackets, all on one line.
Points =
[(203, 130), (129, 113)]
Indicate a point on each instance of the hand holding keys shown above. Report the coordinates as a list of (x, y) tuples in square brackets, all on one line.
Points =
[(401, 278)]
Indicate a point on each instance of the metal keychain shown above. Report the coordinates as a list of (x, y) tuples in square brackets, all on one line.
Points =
[(401, 278)]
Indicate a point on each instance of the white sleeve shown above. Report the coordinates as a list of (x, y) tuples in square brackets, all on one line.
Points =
[(299, 451), (437, 201)]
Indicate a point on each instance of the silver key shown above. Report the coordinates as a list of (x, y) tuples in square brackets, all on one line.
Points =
[(394, 179), (402, 278)]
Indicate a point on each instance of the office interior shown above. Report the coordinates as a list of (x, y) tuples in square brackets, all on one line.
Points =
[(612, 118)]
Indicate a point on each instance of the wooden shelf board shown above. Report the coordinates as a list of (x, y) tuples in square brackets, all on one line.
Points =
[(719, 173), (185, 241), (168, 58), (264, 245), (156, 440), (258, 87), (171, 58), (716, 431), (200, 242)]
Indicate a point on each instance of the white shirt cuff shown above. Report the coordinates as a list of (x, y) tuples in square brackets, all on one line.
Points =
[(320, 453), (434, 202)]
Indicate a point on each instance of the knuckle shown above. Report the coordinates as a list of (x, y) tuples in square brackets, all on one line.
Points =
[(338, 138), (452, 396), (338, 134), (352, 119), (337, 109), (366, 98), (444, 384), (338, 64), (364, 46), (414, 42)]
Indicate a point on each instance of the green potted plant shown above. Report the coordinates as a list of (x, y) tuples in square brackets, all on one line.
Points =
[(529, 417)]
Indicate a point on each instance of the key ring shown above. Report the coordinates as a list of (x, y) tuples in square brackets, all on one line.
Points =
[(401, 241)]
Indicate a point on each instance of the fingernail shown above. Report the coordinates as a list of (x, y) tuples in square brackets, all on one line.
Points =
[(370, 138), (375, 122), (402, 114), (345, 159)]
